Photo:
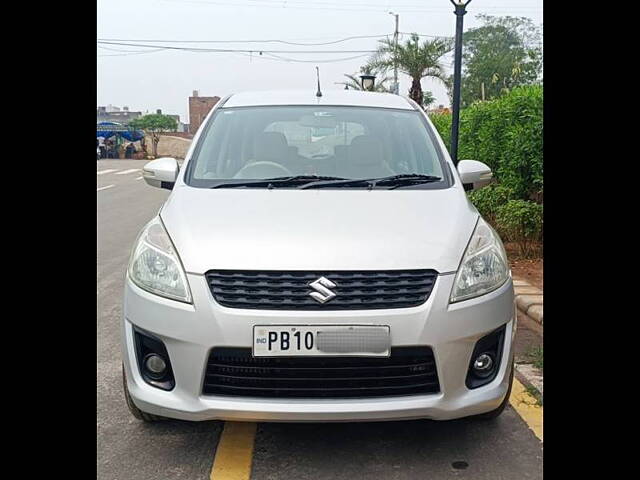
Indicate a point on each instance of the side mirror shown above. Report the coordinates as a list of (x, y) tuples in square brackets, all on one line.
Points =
[(474, 174), (161, 173)]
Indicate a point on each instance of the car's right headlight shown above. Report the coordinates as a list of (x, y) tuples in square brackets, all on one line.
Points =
[(484, 265), (155, 266)]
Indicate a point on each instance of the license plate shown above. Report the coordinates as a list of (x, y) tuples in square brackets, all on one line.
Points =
[(321, 340)]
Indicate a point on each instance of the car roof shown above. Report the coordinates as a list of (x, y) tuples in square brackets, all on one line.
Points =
[(308, 97)]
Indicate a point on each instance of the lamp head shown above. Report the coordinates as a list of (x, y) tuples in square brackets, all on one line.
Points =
[(368, 82)]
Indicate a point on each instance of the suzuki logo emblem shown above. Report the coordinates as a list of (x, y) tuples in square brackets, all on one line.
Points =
[(322, 293)]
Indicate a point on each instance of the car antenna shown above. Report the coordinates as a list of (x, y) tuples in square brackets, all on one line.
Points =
[(318, 93)]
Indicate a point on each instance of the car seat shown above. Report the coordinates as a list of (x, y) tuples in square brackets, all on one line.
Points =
[(364, 159)]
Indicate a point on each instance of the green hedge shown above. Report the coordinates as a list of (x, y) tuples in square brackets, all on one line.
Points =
[(442, 122), (520, 221), (489, 199), (506, 134)]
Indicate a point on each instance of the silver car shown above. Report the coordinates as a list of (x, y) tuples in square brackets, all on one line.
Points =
[(317, 260)]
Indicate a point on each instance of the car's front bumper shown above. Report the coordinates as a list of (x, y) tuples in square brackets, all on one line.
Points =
[(190, 331)]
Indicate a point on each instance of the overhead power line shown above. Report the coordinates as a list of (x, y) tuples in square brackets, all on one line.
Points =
[(286, 42), (425, 35), (152, 46), (285, 59), (256, 53), (118, 41), (278, 58), (229, 50), (127, 54), (125, 51)]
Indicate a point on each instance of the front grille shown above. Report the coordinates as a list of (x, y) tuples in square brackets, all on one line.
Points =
[(290, 290), (234, 371)]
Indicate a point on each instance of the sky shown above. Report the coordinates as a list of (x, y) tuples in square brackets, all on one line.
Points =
[(146, 79)]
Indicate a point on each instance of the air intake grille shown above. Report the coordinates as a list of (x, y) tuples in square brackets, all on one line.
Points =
[(408, 371), (290, 290)]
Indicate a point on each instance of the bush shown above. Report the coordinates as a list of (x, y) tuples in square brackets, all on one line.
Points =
[(520, 221), (488, 199), (442, 122), (506, 134)]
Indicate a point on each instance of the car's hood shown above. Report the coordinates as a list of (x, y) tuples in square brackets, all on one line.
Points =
[(259, 229)]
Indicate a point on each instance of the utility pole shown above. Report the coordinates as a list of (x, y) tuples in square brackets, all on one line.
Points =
[(457, 74), (396, 87), (482, 86)]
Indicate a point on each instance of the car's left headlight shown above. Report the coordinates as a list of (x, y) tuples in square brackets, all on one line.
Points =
[(484, 265), (155, 266)]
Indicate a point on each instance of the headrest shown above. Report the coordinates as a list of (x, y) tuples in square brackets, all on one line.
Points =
[(340, 150), (365, 150), (271, 146)]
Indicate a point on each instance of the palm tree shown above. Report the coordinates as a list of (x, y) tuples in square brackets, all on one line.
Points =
[(354, 79), (418, 60)]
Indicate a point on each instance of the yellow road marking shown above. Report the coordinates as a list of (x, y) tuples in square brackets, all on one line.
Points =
[(527, 407), (235, 452)]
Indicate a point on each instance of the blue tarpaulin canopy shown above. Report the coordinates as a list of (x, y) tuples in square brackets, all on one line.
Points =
[(109, 129)]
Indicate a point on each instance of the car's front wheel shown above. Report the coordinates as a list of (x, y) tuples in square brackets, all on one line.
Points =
[(135, 411), (496, 413)]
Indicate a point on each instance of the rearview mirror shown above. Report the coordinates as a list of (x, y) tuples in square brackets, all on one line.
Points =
[(474, 174), (318, 121), (161, 173)]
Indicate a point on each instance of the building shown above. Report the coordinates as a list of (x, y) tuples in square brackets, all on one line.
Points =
[(111, 113), (123, 115), (199, 107), (440, 109)]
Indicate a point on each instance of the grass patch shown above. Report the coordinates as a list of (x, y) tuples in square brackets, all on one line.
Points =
[(537, 357), (534, 393)]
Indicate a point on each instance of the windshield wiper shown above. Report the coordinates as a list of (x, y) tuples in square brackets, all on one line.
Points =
[(394, 180), (408, 179), (277, 181)]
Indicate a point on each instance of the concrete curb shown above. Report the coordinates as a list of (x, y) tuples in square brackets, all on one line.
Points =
[(530, 376), (529, 299)]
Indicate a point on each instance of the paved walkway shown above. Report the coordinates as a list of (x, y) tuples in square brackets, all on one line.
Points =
[(528, 299)]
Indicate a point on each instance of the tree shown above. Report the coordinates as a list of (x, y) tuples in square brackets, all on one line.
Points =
[(381, 79), (153, 124), (502, 54), (427, 99), (418, 60)]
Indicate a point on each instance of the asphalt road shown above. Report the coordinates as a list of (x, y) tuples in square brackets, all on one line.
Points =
[(131, 450)]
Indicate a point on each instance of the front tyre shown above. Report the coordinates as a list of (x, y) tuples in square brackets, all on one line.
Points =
[(135, 411), (496, 413)]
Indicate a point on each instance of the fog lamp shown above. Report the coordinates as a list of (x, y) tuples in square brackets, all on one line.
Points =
[(483, 365), (155, 365)]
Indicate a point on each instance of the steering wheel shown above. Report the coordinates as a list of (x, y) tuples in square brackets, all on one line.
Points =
[(262, 169)]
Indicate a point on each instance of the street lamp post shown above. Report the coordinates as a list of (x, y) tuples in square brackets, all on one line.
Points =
[(396, 87), (460, 10)]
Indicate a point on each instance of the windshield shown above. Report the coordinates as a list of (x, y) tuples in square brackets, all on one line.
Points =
[(275, 142)]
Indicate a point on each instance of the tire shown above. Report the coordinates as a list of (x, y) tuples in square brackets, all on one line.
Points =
[(135, 411), (496, 413)]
